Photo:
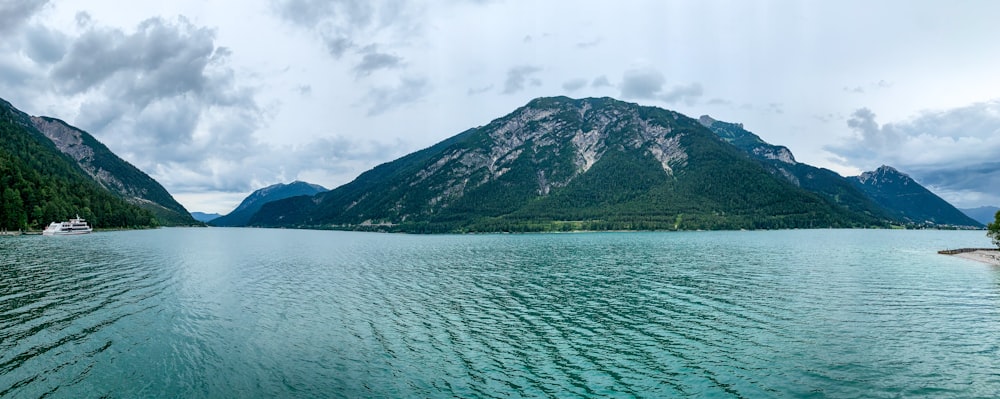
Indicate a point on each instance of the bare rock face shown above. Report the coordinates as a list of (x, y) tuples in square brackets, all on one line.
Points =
[(69, 141), (539, 135)]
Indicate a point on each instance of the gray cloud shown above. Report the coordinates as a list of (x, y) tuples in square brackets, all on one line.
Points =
[(382, 99), (520, 76), (685, 93), (83, 19), (160, 59), (337, 45), (344, 25), (600, 81), (374, 60), (45, 46), (305, 12), (13, 13), (648, 83), (953, 151), (479, 90), (875, 138), (163, 96), (574, 84), (643, 83)]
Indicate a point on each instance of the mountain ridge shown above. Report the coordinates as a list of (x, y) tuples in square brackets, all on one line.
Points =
[(982, 214), (829, 185), (908, 200), (558, 163), (205, 217), (241, 215)]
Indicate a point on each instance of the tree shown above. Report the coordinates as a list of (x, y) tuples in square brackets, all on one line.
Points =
[(993, 230)]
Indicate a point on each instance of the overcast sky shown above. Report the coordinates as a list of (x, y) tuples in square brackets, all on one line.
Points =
[(215, 99)]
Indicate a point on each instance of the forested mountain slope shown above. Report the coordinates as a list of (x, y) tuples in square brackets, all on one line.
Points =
[(114, 173), (39, 184), (564, 164)]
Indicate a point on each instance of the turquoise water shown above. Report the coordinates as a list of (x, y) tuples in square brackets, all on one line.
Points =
[(285, 313)]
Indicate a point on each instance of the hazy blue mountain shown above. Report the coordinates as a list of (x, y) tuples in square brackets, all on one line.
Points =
[(829, 185), (908, 200), (561, 164), (40, 184), (983, 214), (204, 217), (252, 203), (112, 172)]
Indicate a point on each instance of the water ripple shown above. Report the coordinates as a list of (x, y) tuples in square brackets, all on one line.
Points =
[(276, 313)]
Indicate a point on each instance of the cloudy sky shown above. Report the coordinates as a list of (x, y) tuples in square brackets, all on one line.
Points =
[(215, 99)]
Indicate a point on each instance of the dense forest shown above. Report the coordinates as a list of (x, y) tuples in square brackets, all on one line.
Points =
[(39, 184)]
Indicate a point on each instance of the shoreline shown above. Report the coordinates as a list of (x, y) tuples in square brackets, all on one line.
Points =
[(984, 255)]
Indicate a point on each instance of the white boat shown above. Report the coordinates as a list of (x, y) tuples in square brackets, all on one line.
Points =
[(72, 227)]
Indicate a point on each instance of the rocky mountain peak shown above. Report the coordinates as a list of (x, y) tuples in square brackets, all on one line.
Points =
[(559, 139), (706, 120), (883, 175)]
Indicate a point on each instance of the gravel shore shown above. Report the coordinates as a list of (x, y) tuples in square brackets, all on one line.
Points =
[(986, 256)]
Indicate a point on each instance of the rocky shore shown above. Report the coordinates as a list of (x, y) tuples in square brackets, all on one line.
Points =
[(985, 255)]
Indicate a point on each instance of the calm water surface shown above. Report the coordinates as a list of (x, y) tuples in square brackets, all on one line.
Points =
[(285, 313)]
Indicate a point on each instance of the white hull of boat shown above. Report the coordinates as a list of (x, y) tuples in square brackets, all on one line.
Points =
[(65, 233), (73, 227)]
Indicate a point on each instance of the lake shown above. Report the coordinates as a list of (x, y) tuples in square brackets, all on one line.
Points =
[(217, 312)]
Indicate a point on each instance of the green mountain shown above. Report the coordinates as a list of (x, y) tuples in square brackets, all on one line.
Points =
[(983, 214), (39, 184), (778, 160), (565, 164), (113, 173), (908, 200), (253, 202)]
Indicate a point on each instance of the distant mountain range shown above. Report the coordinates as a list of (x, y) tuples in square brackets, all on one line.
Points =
[(603, 164), (885, 193), (983, 214), (204, 217), (51, 172), (252, 203), (554, 164)]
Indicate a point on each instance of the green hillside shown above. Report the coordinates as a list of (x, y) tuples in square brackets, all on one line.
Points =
[(832, 187), (39, 184)]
